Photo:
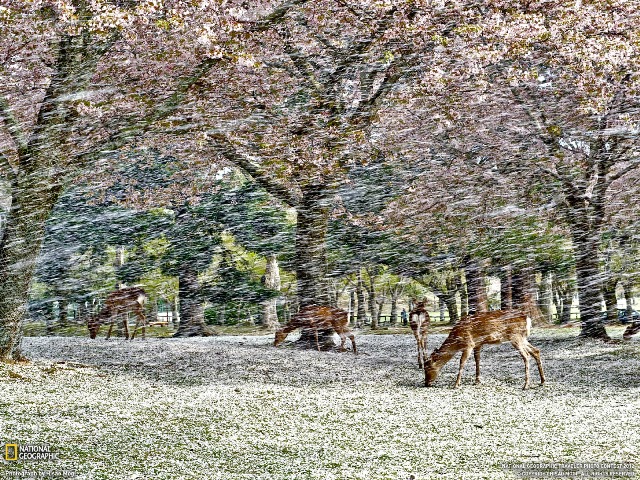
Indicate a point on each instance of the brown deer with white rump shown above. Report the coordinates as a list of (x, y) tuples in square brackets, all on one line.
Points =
[(119, 303), (419, 322), (319, 318), (473, 332)]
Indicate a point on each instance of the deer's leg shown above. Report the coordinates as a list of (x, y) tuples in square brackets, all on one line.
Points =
[(109, 331), (424, 349), (420, 355), (476, 357), (525, 356), (343, 340), (353, 343), (144, 325), (465, 356), (536, 356), (125, 326), (135, 328), (317, 342)]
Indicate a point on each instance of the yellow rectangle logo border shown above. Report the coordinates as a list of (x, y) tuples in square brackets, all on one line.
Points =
[(15, 452)]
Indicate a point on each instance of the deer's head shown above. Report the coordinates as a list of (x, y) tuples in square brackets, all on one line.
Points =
[(280, 336), (430, 373)]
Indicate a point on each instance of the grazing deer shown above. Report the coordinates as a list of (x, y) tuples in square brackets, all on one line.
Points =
[(419, 322), (120, 302), (474, 331), (631, 330), (318, 318)]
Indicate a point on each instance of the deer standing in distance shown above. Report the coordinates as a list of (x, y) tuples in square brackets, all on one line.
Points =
[(473, 332), (319, 317), (419, 322), (119, 303)]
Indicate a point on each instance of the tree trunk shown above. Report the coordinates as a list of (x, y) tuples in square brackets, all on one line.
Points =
[(34, 196), (393, 315), (83, 312), (589, 285), (523, 294), (248, 317), (272, 281), (286, 311), (476, 289), (311, 260), (371, 299), (49, 318), (191, 309), (452, 307), (464, 301), (380, 301), (545, 297), (506, 302), (610, 300), (517, 289), (36, 186), (362, 312), (63, 311), (628, 297), (352, 307), (311, 249), (564, 295), (175, 315)]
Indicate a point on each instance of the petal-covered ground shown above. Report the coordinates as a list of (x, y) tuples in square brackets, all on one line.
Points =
[(236, 407)]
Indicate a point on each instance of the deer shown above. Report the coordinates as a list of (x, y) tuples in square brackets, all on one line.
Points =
[(631, 330), (119, 302), (317, 318), (419, 322), (473, 332)]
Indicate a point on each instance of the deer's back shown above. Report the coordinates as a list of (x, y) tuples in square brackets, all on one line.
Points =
[(491, 327), (321, 316), (126, 297)]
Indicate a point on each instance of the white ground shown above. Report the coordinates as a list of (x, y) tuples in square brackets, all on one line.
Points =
[(236, 407)]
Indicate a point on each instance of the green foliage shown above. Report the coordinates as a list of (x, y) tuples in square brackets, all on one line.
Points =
[(524, 242)]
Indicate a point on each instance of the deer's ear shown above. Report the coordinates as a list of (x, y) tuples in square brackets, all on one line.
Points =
[(413, 299)]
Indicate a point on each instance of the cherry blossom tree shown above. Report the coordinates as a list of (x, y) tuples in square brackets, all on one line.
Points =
[(80, 79), (545, 97)]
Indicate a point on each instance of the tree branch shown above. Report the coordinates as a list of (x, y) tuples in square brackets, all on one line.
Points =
[(275, 17), (138, 126), (635, 163), (9, 119), (225, 148), (304, 67), (567, 182), (6, 169)]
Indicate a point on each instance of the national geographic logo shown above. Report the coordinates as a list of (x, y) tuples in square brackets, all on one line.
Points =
[(11, 452), (14, 452)]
